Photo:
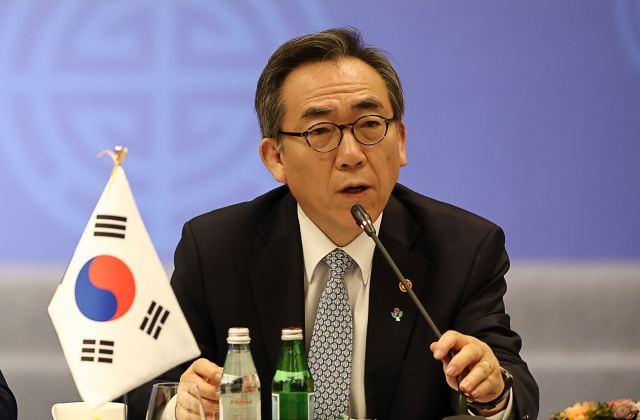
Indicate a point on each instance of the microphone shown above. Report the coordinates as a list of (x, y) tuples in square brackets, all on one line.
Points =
[(363, 220)]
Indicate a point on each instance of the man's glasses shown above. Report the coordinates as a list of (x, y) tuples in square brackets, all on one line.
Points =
[(325, 136)]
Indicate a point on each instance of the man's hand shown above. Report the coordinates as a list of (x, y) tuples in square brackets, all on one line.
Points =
[(475, 361), (207, 376)]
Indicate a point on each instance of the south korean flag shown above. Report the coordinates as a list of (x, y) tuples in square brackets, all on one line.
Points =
[(115, 313)]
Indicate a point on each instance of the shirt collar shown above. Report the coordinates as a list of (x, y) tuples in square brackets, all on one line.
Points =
[(315, 245)]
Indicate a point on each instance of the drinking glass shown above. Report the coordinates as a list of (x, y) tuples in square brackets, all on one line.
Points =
[(164, 397)]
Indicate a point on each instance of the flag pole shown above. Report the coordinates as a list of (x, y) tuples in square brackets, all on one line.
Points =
[(120, 152)]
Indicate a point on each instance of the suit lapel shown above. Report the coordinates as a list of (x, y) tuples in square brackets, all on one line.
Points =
[(277, 275), (387, 338)]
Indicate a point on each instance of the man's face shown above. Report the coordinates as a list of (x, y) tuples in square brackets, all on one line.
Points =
[(326, 185)]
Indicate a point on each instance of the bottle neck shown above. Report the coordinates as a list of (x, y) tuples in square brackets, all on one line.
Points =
[(295, 345), (238, 361), (292, 357), (292, 372), (238, 347)]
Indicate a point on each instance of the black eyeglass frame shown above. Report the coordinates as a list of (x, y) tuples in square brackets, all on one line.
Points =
[(305, 134)]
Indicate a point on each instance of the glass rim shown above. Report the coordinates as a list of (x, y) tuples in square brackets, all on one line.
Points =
[(170, 384)]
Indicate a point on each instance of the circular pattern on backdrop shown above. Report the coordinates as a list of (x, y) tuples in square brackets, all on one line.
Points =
[(628, 18), (105, 288), (171, 80)]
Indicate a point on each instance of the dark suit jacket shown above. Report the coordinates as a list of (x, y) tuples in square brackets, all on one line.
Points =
[(243, 266), (8, 407)]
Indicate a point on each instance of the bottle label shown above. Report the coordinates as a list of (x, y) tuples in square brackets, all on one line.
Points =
[(275, 406), (312, 406), (240, 406)]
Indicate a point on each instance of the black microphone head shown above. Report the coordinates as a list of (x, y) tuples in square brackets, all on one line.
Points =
[(363, 219), (359, 214)]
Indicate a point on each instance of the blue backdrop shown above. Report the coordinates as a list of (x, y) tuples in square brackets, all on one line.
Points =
[(527, 113)]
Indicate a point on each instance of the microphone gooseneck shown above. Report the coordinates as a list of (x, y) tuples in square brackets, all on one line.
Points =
[(363, 220)]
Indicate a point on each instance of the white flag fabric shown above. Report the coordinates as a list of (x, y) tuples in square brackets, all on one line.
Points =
[(115, 313)]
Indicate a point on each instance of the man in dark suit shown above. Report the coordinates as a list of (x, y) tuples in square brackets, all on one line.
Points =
[(330, 111), (8, 406)]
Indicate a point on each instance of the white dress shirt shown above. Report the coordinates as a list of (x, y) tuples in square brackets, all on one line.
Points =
[(315, 246)]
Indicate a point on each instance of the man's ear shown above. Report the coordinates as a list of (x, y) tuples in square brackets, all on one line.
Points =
[(271, 156), (402, 143)]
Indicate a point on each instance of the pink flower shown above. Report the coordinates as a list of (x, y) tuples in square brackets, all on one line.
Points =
[(624, 410), (612, 404)]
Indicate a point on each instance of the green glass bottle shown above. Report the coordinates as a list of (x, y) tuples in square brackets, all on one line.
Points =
[(292, 395)]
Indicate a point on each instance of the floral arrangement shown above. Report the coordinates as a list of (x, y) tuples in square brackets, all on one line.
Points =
[(618, 410)]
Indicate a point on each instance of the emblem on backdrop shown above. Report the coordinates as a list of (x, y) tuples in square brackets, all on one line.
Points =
[(83, 86), (628, 18)]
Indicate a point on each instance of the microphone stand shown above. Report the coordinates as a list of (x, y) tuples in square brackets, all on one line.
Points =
[(363, 220)]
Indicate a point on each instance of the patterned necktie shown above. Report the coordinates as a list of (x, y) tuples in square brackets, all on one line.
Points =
[(331, 341)]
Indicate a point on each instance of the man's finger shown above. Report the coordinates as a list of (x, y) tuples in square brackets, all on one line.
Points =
[(207, 370), (207, 390), (474, 361), (211, 407), (487, 389), (183, 413), (188, 405), (206, 376), (481, 373), (450, 340), (468, 356)]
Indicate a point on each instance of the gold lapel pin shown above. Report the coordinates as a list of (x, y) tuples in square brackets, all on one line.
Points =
[(401, 286)]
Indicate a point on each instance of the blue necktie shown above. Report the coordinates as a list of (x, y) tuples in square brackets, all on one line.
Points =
[(332, 341)]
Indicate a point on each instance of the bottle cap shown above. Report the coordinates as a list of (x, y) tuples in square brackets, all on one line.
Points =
[(291, 333), (238, 336)]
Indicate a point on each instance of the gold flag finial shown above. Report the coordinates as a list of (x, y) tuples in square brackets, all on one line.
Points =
[(118, 155)]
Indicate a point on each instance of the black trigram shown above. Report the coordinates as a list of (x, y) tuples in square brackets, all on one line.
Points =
[(110, 226), (97, 351), (159, 317)]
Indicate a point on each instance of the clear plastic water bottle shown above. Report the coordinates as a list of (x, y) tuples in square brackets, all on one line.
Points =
[(239, 385), (292, 396)]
